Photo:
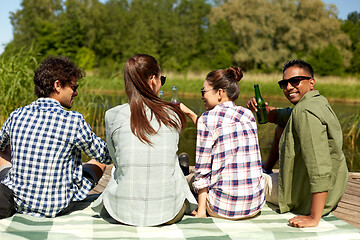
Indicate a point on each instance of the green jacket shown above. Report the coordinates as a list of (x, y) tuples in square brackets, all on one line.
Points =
[(311, 157)]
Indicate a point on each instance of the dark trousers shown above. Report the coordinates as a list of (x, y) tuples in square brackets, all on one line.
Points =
[(7, 204)]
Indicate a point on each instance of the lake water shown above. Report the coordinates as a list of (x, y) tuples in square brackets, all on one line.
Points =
[(266, 131)]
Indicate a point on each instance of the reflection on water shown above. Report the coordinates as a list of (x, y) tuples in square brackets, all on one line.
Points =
[(265, 131)]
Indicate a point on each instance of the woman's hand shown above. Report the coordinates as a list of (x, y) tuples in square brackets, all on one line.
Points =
[(198, 214), (189, 113)]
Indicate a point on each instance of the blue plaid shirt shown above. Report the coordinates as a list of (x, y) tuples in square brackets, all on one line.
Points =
[(46, 143)]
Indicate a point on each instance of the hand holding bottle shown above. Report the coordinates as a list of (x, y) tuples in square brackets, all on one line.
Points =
[(261, 113), (252, 104)]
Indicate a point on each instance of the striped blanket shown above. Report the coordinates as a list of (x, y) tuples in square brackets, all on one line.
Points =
[(84, 223)]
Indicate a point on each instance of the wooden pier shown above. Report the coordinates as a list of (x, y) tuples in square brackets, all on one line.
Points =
[(348, 209), (349, 206)]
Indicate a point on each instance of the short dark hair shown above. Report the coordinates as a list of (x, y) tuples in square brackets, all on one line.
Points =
[(55, 68), (300, 64)]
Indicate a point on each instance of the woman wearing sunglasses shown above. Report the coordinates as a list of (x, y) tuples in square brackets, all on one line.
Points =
[(228, 175), (147, 187)]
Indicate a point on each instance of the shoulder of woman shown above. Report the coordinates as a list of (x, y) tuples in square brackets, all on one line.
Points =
[(120, 109)]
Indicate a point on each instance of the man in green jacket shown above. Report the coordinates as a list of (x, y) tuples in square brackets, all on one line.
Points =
[(308, 143)]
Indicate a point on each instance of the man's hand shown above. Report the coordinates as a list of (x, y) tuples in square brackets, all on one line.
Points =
[(252, 104), (317, 208), (303, 221), (271, 111)]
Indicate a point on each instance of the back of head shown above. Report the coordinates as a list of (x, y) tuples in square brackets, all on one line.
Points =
[(51, 69), (138, 70), (228, 80), (299, 63)]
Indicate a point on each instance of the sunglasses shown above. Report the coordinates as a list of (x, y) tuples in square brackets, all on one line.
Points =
[(74, 87), (294, 81), (163, 79), (203, 91)]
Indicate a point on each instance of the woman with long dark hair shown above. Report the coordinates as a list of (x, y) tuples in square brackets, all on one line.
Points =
[(228, 174), (147, 186)]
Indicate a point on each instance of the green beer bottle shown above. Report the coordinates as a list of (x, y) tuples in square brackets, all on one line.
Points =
[(261, 108)]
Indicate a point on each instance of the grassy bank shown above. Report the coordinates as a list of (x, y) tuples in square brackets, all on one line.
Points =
[(16, 82), (338, 89)]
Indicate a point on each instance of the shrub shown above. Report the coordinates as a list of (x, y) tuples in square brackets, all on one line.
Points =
[(16, 81)]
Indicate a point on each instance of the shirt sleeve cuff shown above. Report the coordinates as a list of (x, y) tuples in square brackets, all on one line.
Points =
[(320, 184), (200, 184)]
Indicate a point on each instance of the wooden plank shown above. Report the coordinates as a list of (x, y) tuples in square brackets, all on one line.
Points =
[(349, 206), (103, 181), (345, 218), (354, 175)]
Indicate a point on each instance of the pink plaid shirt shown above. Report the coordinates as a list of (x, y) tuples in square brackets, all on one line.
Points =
[(228, 161)]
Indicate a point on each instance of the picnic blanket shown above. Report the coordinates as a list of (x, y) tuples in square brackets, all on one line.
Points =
[(84, 223)]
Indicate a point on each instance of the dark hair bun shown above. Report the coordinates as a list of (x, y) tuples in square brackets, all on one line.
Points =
[(236, 72)]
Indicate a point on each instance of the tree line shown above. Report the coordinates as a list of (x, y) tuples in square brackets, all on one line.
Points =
[(189, 35)]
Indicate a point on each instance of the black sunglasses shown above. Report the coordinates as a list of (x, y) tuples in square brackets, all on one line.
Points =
[(74, 87), (203, 91), (294, 81), (163, 79)]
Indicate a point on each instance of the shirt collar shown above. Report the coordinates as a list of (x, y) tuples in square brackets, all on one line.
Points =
[(310, 94), (48, 102), (226, 104)]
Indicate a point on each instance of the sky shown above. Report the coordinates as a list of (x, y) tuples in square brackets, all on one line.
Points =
[(6, 6)]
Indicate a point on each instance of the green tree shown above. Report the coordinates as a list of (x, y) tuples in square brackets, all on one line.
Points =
[(85, 58), (269, 32), (189, 39), (35, 23), (172, 31), (327, 61), (220, 48), (111, 41), (70, 32), (351, 26)]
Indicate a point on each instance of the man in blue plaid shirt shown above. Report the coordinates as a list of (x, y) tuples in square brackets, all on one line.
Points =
[(46, 174)]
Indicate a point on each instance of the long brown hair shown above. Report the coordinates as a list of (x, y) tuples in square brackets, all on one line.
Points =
[(228, 80), (138, 70)]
